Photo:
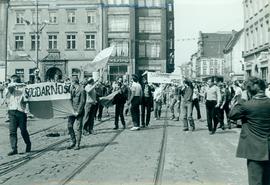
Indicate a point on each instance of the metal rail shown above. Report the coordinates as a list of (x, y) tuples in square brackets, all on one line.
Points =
[(161, 159)]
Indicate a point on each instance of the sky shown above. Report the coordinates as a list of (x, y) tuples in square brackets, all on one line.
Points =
[(192, 16)]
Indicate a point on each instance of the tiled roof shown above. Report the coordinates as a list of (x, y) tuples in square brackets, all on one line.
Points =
[(213, 44), (233, 40)]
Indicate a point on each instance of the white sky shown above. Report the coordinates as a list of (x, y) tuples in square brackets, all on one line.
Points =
[(192, 16)]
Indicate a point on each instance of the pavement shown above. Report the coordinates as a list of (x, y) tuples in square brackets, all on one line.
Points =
[(191, 158)]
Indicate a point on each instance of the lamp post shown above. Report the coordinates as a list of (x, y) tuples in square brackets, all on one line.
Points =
[(37, 35)]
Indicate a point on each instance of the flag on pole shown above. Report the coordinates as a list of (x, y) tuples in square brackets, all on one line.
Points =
[(100, 60)]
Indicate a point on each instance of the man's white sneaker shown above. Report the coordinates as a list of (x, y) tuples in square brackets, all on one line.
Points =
[(134, 128)]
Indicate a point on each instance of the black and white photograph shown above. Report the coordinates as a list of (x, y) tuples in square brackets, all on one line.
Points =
[(134, 92)]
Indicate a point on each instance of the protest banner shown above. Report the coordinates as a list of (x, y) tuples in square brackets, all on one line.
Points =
[(163, 78), (49, 100)]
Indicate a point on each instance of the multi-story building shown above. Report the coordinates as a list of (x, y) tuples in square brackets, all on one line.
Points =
[(234, 61), (69, 36), (257, 38), (3, 38), (194, 64), (71, 33), (186, 70), (154, 40), (210, 53)]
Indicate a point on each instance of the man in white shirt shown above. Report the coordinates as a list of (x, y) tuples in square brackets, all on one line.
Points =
[(15, 101), (135, 101)]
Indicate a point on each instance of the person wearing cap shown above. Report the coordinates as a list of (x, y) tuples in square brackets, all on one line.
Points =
[(16, 102), (78, 99), (90, 106), (254, 140), (135, 101)]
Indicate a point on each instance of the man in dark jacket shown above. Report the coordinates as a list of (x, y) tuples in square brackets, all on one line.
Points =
[(119, 101), (78, 98), (147, 103), (254, 142)]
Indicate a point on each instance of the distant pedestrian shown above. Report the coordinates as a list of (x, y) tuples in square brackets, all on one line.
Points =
[(135, 101), (78, 99), (158, 98), (254, 139)]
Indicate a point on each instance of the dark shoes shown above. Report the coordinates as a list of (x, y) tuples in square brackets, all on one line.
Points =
[(71, 146), (14, 152), (185, 129), (192, 129), (115, 128)]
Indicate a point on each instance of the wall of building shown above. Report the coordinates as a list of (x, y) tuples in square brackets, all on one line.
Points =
[(257, 38), (3, 21)]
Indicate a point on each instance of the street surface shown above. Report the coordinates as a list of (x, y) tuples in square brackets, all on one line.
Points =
[(123, 157)]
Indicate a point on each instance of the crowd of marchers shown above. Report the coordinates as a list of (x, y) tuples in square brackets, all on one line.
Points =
[(246, 104)]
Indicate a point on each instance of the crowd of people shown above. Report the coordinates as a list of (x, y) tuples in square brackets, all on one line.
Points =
[(247, 102)]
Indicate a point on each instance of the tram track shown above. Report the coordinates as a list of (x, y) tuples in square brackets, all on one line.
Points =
[(161, 160), (10, 166), (89, 159)]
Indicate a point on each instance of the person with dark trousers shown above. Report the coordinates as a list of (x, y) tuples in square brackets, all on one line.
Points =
[(90, 107), (119, 101), (254, 138), (212, 98), (147, 103), (220, 110), (187, 93), (229, 94), (16, 103), (100, 91), (135, 101), (78, 99), (196, 101)]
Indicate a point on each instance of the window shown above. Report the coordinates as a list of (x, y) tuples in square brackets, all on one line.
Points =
[(71, 41), (264, 72), (33, 42), (71, 17), (19, 42), (118, 23), (117, 71), (170, 7), (53, 17), (32, 75), (118, 2), (150, 49), (34, 17), (170, 25), (91, 17), (90, 41), (52, 39), (19, 18), (121, 47), (149, 24), (149, 3), (171, 43), (20, 73)]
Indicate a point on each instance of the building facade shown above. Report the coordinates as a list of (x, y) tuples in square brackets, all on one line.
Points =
[(234, 62), (154, 37), (257, 38), (210, 55), (60, 37), (3, 38), (69, 36)]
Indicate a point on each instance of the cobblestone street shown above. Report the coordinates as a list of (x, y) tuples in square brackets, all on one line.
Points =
[(124, 157)]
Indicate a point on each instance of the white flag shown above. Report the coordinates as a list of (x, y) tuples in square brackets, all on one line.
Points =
[(100, 60)]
